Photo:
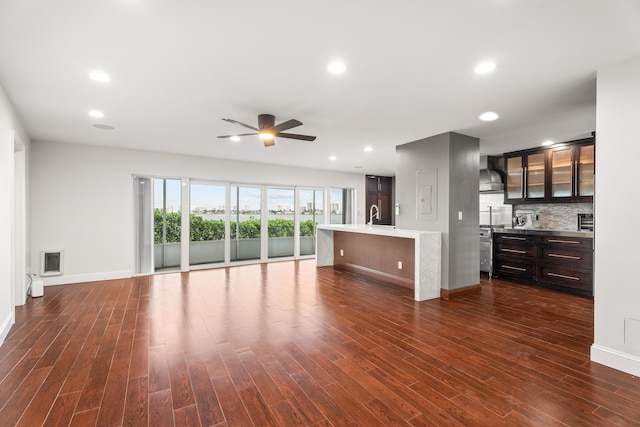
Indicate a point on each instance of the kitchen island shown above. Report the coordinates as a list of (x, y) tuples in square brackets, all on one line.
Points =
[(409, 258)]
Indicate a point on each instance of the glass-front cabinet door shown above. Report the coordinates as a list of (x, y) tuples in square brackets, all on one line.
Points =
[(586, 170), (562, 172), (572, 171), (535, 176), (514, 182)]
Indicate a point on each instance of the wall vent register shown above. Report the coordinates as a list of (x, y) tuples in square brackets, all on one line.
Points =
[(51, 263)]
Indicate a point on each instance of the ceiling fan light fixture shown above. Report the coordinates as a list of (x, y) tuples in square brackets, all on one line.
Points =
[(265, 136)]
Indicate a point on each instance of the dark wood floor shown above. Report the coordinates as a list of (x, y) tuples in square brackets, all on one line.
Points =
[(288, 344)]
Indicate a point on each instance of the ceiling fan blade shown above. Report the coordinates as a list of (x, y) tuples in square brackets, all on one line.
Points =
[(269, 142), (296, 136), (241, 124), (237, 134), (286, 125)]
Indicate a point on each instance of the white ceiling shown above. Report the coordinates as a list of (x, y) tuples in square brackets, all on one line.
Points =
[(179, 67)]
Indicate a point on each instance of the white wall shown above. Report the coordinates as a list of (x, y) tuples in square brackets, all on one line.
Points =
[(617, 202), (82, 200), (10, 126)]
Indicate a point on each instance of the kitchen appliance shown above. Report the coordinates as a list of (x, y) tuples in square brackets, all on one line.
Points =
[(524, 219), (491, 180), (585, 222), (485, 250), (491, 217)]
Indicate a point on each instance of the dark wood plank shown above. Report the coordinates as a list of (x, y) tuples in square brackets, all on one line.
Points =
[(61, 411), (207, 403), (187, 416), (232, 406), (136, 408), (161, 409), (291, 344), (17, 404), (181, 388), (84, 419)]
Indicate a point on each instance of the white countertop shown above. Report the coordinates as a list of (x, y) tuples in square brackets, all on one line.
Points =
[(427, 255), (381, 230)]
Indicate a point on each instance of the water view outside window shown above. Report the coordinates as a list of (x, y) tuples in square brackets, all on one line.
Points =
[(340, 206), (245, 223), (281, 222), (166, 222), (311, 213), (207, 224)]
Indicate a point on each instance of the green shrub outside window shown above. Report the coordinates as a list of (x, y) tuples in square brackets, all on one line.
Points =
[(201, 229)]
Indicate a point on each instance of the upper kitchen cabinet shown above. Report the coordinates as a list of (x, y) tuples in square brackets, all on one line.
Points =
[(572, 171), (526, 177), (380, 193), (562, 173)]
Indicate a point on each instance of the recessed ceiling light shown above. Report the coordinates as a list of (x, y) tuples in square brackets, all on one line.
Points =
[(96, 114), (337, 67), (485, 67), (368, 148), (489, 116), (104, 127), (100, 76), (235, 138), (547, 142), (333, 158)]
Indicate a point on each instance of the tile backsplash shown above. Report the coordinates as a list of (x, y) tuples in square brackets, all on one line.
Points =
[(557, 216)]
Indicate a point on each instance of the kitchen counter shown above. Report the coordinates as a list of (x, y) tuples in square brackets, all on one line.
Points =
[(544, 232), (410, 258)]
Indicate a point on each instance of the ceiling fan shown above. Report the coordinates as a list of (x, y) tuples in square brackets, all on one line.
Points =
[(267, 129)]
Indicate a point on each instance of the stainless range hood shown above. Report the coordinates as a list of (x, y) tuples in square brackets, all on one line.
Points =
[(490, 177)]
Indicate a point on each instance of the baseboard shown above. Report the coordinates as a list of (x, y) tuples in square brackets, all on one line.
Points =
[(6, 325), (454, 293), (81, 278), (615, 359)]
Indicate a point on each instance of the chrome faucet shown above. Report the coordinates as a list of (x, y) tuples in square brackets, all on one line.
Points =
[(372, 215)]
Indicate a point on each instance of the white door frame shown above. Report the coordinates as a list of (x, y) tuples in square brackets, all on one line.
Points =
[(19, 223)]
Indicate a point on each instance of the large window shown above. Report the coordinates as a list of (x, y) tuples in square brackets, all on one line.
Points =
[(281, 222), (311, 213), (166, 222), (245, 223), (341, 206), (181, 223), (207, 215)]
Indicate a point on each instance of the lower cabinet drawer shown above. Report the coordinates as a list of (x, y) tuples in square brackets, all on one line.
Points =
[(576, 279), (567, 257), (514, 267)]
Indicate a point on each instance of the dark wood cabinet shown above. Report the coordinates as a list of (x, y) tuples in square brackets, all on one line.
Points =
[(572, 171), (526, 176), (562, 263), (567, 262), (380, 193), (562, 173), (515, 255)]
